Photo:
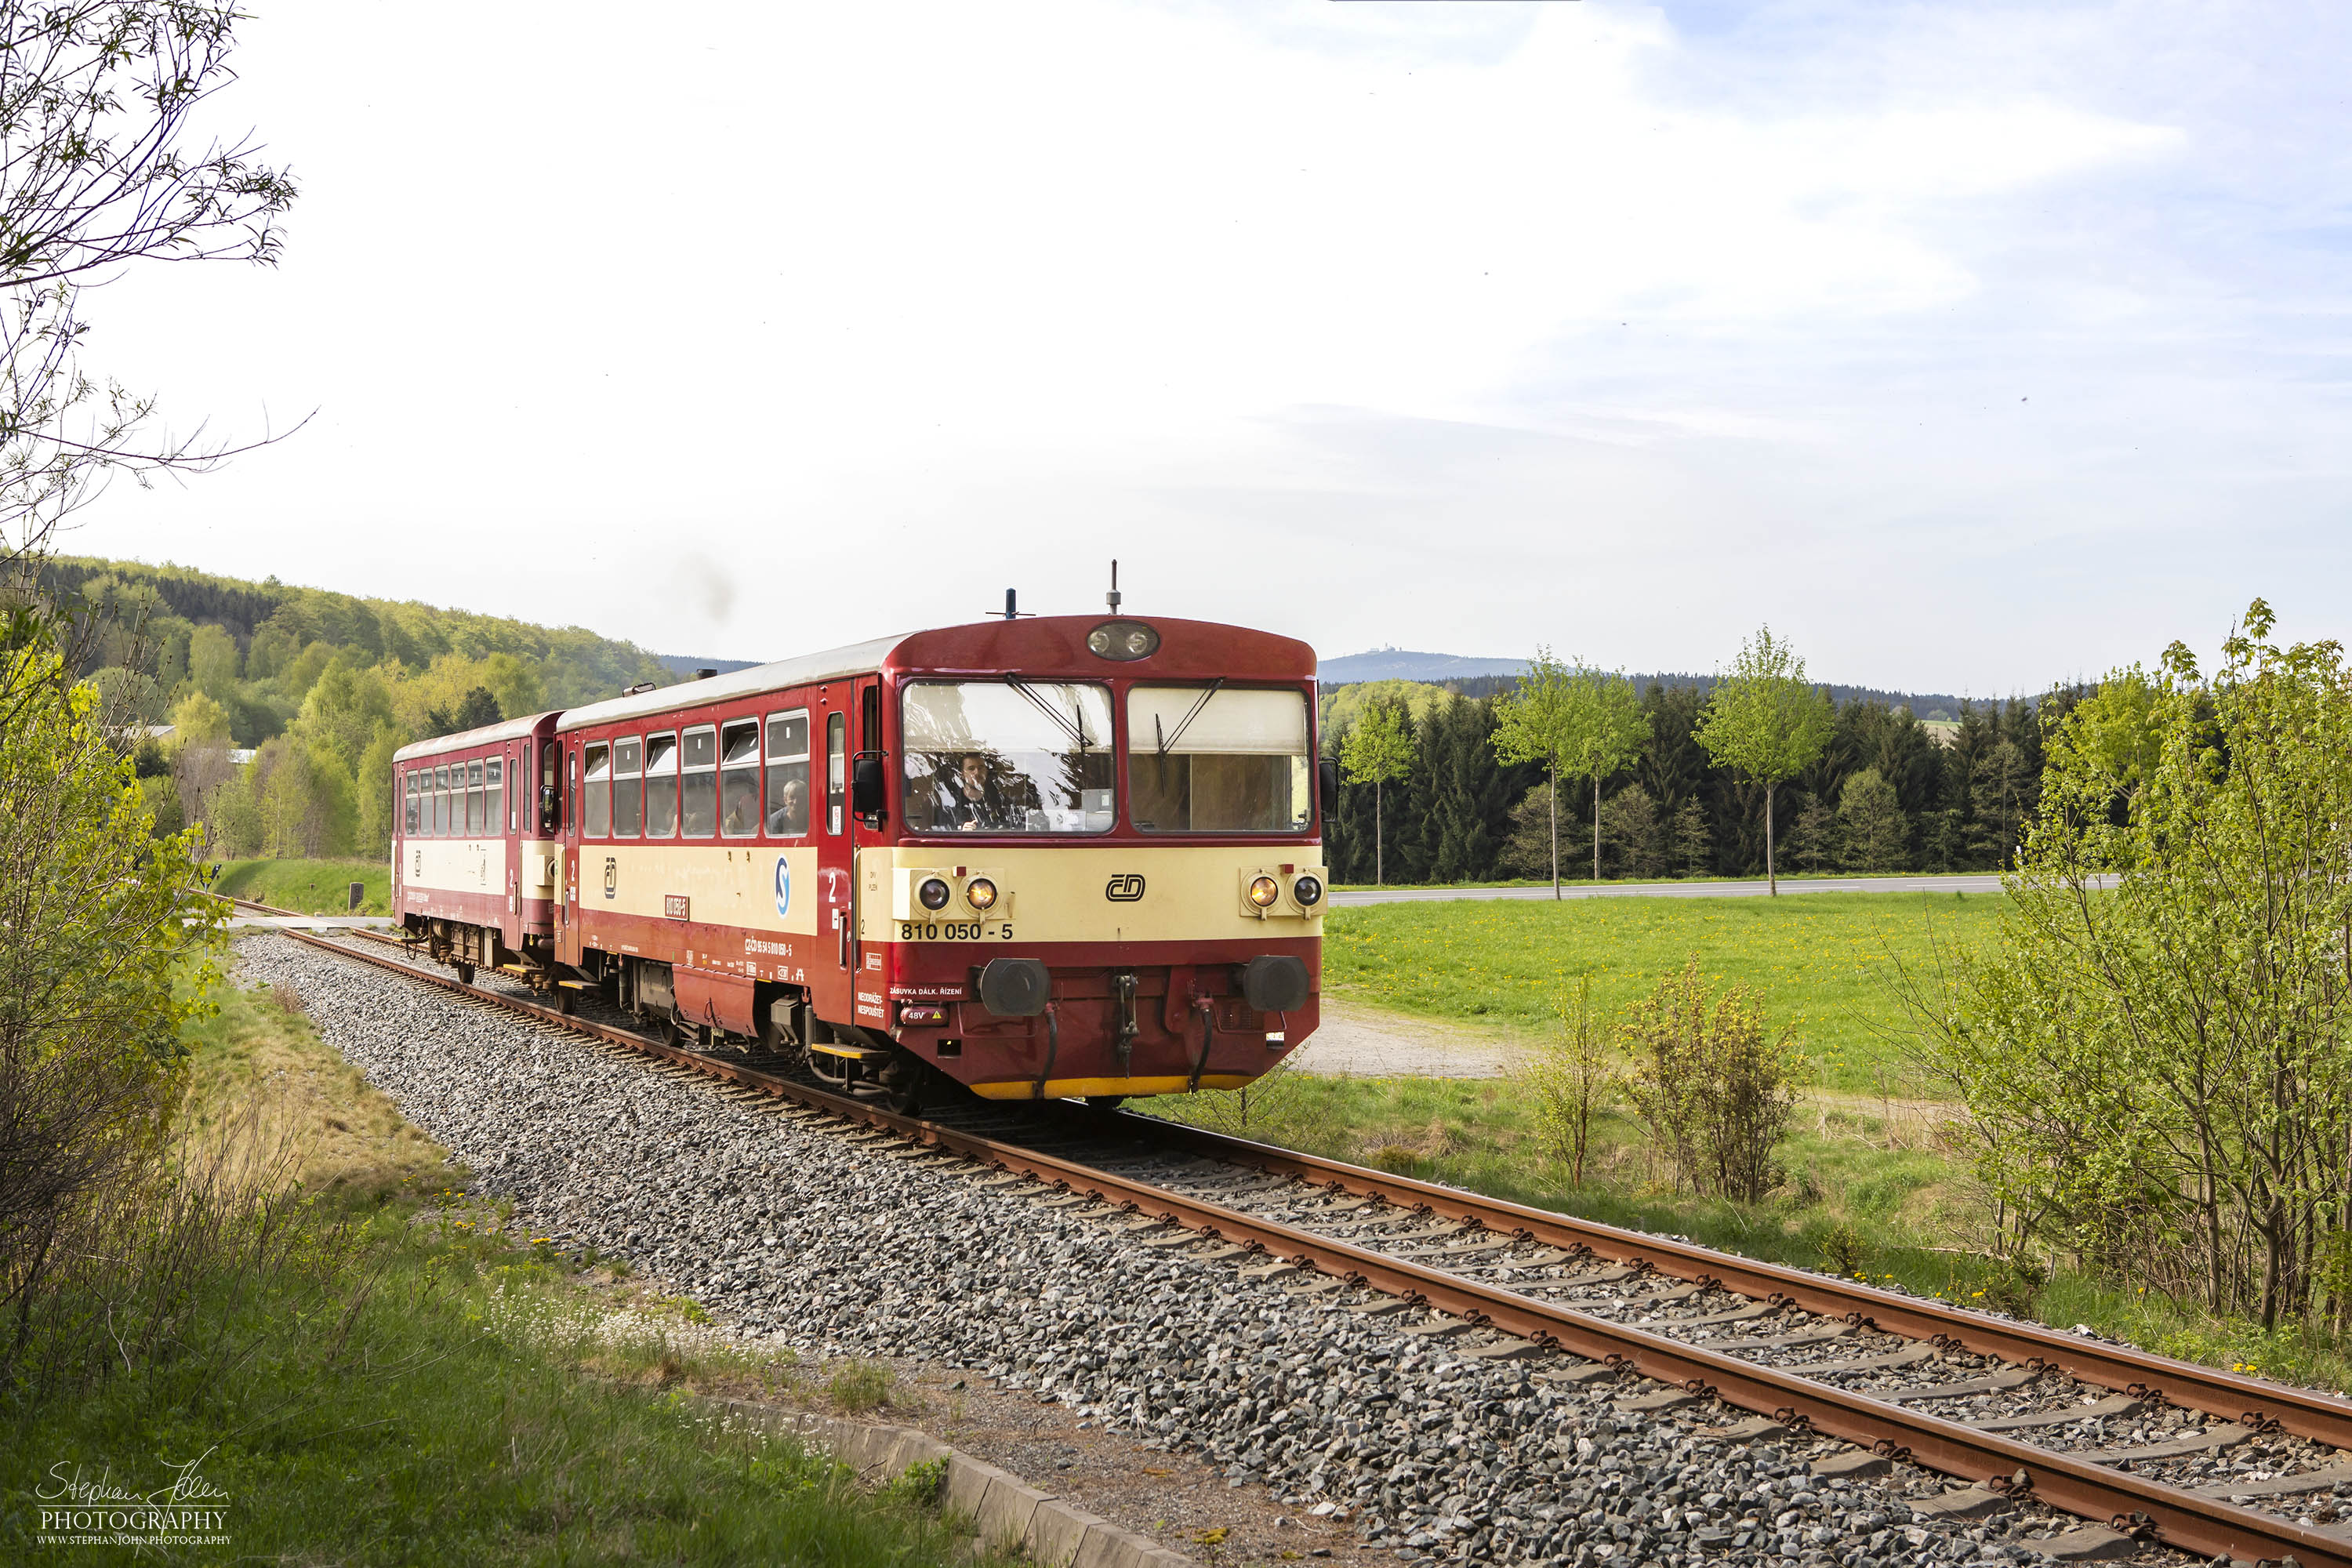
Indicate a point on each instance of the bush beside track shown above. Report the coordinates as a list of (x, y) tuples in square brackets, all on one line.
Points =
[(370, 1373)]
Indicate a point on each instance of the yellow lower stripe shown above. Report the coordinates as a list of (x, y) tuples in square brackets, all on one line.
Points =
[(1064, 1087)]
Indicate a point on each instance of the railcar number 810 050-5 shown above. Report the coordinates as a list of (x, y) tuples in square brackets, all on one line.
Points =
[(953, 931)]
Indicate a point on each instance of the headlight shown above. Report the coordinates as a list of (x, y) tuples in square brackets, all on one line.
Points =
[(1264, 891), (980, 893), (933, 892), (1123, 640), (1308, 890)]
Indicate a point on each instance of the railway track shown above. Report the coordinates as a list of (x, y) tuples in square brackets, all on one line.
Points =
[(2148, 1450)]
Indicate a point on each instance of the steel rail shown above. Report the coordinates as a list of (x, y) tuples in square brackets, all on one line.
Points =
[(2262, 1407), (2185, 1521)]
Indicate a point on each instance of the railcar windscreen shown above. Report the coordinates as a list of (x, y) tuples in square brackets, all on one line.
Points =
[(1217, 760), (1000, 756)]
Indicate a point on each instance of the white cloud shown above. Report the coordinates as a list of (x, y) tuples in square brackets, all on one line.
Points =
[(1351, 319)]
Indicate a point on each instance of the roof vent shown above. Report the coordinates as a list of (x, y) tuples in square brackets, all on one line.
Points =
[(704, 674), (642, 686)]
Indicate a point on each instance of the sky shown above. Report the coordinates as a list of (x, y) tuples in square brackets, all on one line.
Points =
[(1972, 348)]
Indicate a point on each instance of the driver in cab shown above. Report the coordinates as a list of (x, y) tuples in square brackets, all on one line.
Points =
[(969, 800)]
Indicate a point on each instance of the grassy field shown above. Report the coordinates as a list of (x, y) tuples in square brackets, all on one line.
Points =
[(309, 887), (377, 1376), (1825, 961)]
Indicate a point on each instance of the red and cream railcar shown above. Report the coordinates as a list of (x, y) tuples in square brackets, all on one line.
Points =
[(1056, 857), (474, 860)]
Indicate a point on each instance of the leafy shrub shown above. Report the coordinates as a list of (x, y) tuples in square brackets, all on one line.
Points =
[(1714, 1087), (1569, 1079)]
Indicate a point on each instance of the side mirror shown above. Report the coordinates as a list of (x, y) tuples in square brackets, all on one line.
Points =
[(1326, 781), (547, 814), (869, 788)]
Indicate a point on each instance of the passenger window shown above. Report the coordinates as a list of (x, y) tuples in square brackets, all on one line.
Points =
[(788, 774), (698, 786), (836, 769), (739, 779), (441, 802), (661, 786), (598, 820), (494, 796), (629, 788), (408, 802), (475, 822)]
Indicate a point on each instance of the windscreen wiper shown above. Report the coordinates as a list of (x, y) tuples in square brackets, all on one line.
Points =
[(1184, 723), (1075, 732)]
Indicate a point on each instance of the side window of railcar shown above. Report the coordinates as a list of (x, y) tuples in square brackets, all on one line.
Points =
[(441, 801), (698, 783), (494, 796), (836, 769), (474, 819), (661, 786), (788, 774), (739, 779), (408, 802), (628, 787), (597, 816)]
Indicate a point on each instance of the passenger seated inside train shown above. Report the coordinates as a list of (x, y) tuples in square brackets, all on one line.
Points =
[(788, 811)]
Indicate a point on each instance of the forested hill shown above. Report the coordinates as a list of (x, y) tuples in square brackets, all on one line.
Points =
[(323, 687), (271, 640)]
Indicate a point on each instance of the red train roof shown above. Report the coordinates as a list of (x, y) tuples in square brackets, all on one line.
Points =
[(1044, 645)]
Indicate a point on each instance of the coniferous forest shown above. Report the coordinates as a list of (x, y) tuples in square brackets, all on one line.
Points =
[(1888, 793)]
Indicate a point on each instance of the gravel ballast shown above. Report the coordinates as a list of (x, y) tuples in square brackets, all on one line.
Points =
[(812, 1236)]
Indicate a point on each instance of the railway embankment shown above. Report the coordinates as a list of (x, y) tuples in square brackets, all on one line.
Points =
[(1336, 1406)]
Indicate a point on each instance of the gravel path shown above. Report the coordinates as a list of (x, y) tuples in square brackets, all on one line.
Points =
[(837, 1244)]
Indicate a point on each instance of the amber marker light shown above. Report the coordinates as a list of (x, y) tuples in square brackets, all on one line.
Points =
[(980, 893), (1264, 891)]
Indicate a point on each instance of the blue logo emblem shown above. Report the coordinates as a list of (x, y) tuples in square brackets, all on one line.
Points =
[(783, 887)]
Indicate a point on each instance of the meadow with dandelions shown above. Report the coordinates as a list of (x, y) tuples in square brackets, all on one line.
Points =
[(1829, 966)]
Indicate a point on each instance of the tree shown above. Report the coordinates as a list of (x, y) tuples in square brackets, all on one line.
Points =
[(1376, 751), (1765, 720), (212, 662), (98, 101), (2159, 1076), (1871, 819), (1578, 721), (103, 957)]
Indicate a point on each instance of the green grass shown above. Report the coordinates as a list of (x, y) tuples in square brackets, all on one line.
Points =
[(390, 1382), (309, 887), (1572, 876), (1821, 959)]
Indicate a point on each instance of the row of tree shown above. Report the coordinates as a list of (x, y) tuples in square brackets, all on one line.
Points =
[(1760, 772)]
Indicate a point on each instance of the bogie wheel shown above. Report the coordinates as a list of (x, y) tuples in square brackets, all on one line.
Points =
[(464, 974), (1105, 1102)]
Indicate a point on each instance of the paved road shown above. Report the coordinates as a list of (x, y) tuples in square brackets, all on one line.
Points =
[(1967, 884)]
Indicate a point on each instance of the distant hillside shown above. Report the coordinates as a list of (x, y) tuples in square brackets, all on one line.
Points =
[(1401, 664), (1469, 677)]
